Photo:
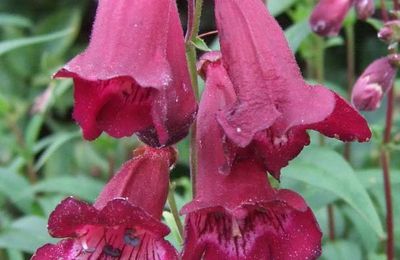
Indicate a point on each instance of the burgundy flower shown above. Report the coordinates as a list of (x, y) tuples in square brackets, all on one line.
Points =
[(328, 16), (124, 222), (272, 105), (374, 82), (364, 8), (239, 216), (133, 77)]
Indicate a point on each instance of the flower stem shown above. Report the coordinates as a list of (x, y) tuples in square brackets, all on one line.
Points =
[(350, 54), (385, 158), (194, 15), (174, 211)]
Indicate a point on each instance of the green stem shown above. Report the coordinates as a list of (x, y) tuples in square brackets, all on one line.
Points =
[(350, 54), (174, 211), (195, 9)]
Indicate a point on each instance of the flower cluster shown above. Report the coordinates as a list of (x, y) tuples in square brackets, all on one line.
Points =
[(252, 120)]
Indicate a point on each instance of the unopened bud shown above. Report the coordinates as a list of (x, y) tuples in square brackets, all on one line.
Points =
[(328, 16), (364, 8), (371, 86), (390, 32)]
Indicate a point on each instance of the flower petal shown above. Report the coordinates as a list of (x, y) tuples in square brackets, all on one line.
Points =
[(117, 106), (263, 70), (70, 216), (275, 231), (65, 249), (143, 181)]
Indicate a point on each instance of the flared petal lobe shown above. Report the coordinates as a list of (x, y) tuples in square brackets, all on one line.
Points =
[(270, 147), (240, 216), (372, 85), (328, 16), (124, 222), (133, 77)]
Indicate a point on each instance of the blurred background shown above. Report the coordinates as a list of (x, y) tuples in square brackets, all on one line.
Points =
[(43, 157)]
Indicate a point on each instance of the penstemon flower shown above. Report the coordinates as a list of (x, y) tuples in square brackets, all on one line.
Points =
[(364, 8), (328, 15), (273, 106), (133, 77), (124, 222), (239, 215), (374, 83)]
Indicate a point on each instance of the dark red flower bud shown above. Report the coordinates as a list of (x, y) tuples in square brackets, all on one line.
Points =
[(328, 16), (373, 84), (273, 106), (364, 8), (133, 76), (124, 222)]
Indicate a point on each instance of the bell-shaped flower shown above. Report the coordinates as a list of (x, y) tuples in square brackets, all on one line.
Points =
[(124, 222), (364, 8), (328, 15), (240, 216), (273, 106), (373, 84), (133, 77)]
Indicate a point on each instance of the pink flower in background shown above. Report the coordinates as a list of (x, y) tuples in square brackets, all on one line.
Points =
[(364, 8), (133, 77), (390, 32), (328, 16), (272, 106), (240, 216), (124, 222), (372, 85)]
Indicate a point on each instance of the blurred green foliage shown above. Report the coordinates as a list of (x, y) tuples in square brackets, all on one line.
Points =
[(44, 159)]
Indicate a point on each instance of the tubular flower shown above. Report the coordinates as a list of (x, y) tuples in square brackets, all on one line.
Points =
[(273, 106), (240, 216), (375, 81), (133, 76), (328, 16), (124, 222)]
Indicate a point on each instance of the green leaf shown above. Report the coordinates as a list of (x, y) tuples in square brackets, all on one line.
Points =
[(345, 250), (377, 24), (296, 33), (334, 41), (14, 20), (364, 230), (277, 7), (83, 187), (174, 236), (327, 170), (9, 45), (26, 234), (15, 188), (200, 44), (58, 142)]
